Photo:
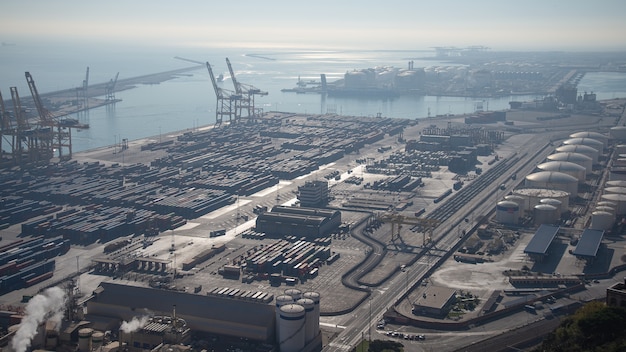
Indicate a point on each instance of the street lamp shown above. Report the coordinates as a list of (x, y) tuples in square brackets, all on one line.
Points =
[(370, 325)]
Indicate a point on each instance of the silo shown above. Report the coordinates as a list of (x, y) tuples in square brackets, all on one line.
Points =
[(294, 293), (315, 297), (553, 180), (565, 167), (619, 199), (281, 300), (618, 190), (545, 214), (593, 135), (554, 202), (309, 309), (618, 133), (601, 220), (593, 143), (605, 209), (96, 339), (591, 152), (576, 158), (507, 212), (535, 195), (84, 339), (291, 328)]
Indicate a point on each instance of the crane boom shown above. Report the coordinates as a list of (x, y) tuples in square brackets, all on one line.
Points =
[(5, 122), (44, 115), (22, 123), (232, 76), (213, 81)]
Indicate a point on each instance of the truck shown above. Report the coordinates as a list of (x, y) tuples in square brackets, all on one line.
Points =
[(217, 233)]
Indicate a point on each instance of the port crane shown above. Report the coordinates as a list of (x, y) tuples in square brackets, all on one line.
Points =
[(85, 90), (110, 88), (227, 101), (58, 132), (424, 225), (248, 94)]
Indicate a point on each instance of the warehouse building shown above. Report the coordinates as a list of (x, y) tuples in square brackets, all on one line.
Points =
[(308, 222)]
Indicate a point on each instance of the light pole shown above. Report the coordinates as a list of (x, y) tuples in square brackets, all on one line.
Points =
[(370, 325)]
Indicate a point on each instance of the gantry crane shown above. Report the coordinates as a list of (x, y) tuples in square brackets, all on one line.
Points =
[(59, 132), (397, 220), (227, 101), (110, 88), (85, 90), (248, 93)]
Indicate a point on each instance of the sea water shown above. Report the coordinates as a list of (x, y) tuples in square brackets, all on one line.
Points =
[(188, 101)]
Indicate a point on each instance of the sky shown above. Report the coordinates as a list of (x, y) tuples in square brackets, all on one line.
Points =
[(575, 25)]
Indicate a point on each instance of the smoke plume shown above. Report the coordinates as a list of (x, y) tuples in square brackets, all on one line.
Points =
[(45, 306), (134, 324)]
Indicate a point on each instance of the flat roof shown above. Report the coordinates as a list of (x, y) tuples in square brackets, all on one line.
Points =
[(541, 240), (435, 297), (589, 243)]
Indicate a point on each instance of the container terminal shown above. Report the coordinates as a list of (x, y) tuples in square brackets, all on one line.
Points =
[(286, 227)]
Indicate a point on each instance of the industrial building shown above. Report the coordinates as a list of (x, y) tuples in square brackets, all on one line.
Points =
[(616, 295), (537, 248), (313, 193), (435, 301), (308, 222)]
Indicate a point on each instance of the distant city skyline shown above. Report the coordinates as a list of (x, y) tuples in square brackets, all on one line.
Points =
[(397, 24)]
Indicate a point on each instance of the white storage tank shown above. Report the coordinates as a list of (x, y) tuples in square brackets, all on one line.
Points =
[(601, 220), (616, 183), (565, 167), (553, 180), (545, 214), (619, 199), (618, 190), (554, 202), (576, 158), (535, 195), (619, 162), (593, 143), (294, 293), (617, 174), (315, 297), (605, 209), (309, 310), (620, 149), (593, 135), (281, 300), (84, 339), (618, 133), (605, 203), (96, 340), (521, 201), (291, 328), (591, 152), (507, 212)]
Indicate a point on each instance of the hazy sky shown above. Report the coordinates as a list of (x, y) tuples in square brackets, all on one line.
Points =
[(390, 24)]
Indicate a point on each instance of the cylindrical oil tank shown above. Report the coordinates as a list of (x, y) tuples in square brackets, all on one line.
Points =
[(553, 180), (309, 309), (576, 158), (545, 214), (281, 301), (617, 173), (591, 152), (605, 208), (521, 201), (605, 203), (565, 167), (97, 339), (84, 339), (619, 162), (507, 212), (617, 183), (315, 297), (620, 149), (593, 135), (618, 133), (619, 199), (618, 190), (291, 328), (593, 143), (555, 202), (294, 293), (534, 195), (601, 220)]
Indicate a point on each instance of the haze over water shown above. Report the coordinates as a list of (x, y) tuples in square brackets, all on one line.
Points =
[(188, 101)]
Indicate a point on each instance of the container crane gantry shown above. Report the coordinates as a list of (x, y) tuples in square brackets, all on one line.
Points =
[(110, 88), (227, 101), (397, 220), (248, 94)]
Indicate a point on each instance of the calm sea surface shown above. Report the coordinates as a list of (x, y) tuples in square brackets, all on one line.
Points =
[(189, 101)]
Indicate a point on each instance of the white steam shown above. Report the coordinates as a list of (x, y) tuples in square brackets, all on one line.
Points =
[(45, 306), (134, 324)]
